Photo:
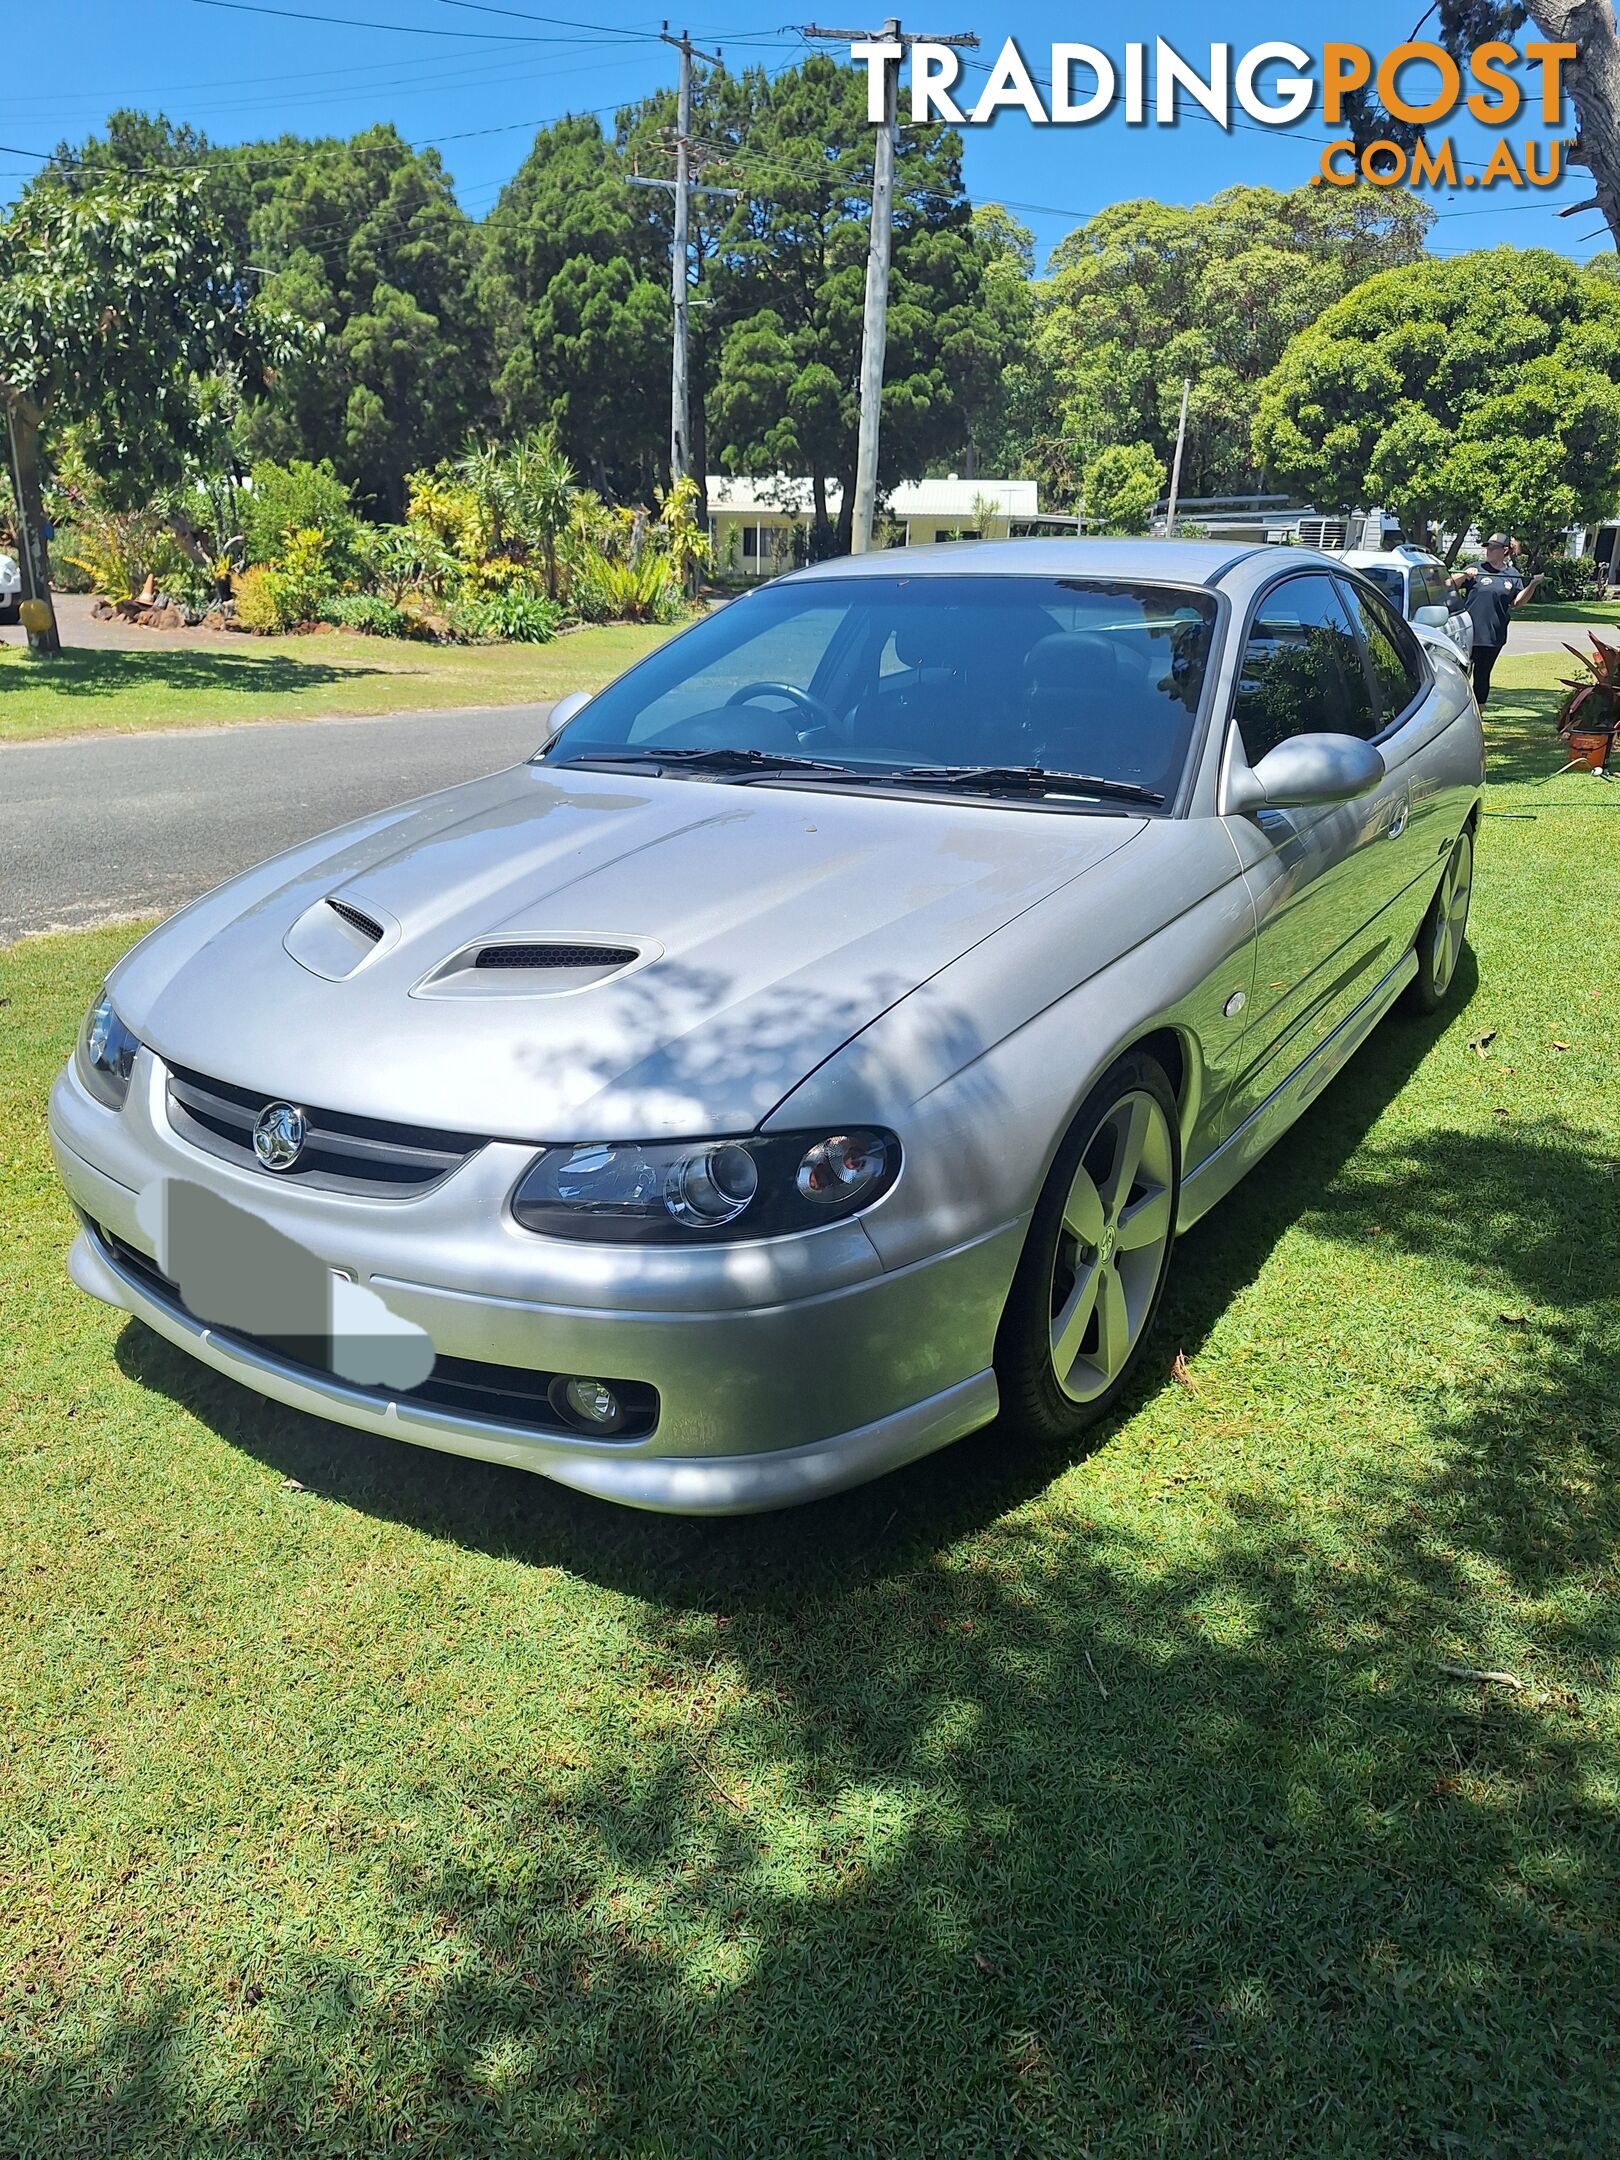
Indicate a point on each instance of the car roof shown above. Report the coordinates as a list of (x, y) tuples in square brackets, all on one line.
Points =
[(1390, 559), (1217, 566)]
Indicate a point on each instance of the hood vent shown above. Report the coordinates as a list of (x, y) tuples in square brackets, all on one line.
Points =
[(600, 957), (369, 930), (530, 967), (334, 937)]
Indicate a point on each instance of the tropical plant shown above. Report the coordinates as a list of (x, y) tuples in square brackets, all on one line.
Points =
[(520, 617), (638, 589), (399, 559), (541, 484), (686, 543), (118, 550), (1592, 702), (444, 505)]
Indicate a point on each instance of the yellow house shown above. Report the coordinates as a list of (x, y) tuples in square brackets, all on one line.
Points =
[(753, 523)]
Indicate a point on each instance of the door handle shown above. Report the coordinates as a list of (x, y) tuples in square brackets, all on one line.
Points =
[(1397, 824)]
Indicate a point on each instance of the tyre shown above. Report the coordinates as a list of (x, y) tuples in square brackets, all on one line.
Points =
[(1445, 928), (1093, 1268), (10, 611)]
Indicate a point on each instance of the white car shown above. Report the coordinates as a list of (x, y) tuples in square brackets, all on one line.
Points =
[(10, 589), (1415, 582)]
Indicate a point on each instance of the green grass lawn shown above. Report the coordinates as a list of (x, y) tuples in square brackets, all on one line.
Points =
[(1594, 614), (359, 1799), (296, 678)]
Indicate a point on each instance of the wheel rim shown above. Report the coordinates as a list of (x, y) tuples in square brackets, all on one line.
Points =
[(1451, 913), (1111, 1245)]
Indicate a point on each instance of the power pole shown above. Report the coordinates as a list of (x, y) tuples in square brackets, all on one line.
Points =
[(1175, 470), (875, 320), (683, 189)]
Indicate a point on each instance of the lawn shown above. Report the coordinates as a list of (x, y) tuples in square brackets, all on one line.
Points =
[(1592, 614), (359, 1799), (296, 678)]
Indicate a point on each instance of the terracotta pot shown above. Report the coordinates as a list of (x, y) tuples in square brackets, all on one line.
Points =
[(1589, 748)]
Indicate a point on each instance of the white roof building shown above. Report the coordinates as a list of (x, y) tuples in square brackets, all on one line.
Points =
[(754, 523)]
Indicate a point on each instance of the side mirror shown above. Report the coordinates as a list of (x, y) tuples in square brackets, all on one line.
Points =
[(1302, 772), (1432, 618), (560, 715)]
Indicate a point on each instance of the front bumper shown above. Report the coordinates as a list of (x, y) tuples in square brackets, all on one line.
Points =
[(785, 1370)]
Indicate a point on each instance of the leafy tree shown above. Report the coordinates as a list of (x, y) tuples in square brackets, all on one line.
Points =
[(1148, 293), (370, 242), (1123, 483), (116, 301), (576, 287), (789, 282), (1005, 402), (1481, 389)]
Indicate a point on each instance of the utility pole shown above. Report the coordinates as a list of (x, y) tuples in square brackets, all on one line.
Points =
[(1175, 470), (683, 189), (875, 320)]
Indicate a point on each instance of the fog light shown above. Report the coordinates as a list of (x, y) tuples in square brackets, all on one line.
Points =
[(587, 1405)]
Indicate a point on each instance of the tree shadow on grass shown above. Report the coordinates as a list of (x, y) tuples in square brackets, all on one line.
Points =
[(83, 673), (1010, 1830)]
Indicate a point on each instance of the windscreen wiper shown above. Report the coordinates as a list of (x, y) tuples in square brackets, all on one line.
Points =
[(1022, 780), (718, 759)]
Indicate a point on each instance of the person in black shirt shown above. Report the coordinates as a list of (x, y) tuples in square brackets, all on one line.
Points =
[(1488, 595)]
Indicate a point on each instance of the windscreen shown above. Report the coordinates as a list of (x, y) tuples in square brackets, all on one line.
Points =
[(879, 675)]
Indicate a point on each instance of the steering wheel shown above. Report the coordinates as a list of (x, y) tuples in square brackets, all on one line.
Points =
[(811, 708)]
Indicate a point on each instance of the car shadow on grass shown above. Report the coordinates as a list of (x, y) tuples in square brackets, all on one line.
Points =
[(776, 1559)]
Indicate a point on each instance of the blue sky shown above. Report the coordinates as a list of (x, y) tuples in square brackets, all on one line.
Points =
[(242, 75)]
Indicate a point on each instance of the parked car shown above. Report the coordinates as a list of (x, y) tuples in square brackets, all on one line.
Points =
[(816, 1047), (1415, 582), (10, 589)]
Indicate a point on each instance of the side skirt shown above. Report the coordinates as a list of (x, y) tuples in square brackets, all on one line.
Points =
[(1215, 1176)]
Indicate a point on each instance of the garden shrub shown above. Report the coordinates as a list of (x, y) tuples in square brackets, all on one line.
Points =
[(523, 618), (257, 607), (299, 497), (1567, 577), (369, 612)]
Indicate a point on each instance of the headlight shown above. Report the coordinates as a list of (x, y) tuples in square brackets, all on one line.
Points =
[(672, 1192), (106, 1055)]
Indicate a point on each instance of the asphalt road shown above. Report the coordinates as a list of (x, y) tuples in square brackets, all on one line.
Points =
[(105, 826), (118, 825)]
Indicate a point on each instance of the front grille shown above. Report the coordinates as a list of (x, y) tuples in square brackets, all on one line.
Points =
[(355, 920), (556, 956), (341, 1153), (512, 1395)]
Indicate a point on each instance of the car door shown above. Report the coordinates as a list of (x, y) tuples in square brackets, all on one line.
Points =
[(1317, 876), (1411, 718)]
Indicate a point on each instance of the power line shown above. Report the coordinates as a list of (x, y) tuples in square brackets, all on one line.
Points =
[(355, 22)]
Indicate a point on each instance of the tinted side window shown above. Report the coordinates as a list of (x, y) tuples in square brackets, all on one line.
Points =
[(1302, 671), (1392, 649)]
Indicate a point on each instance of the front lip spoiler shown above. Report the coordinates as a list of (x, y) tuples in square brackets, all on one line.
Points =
[(663, 1484)]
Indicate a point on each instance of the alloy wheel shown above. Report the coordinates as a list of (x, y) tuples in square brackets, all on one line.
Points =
[(1451, 914), (1117, 1222)]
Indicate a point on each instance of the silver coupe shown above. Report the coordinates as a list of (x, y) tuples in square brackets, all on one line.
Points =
[(816, 1047)]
